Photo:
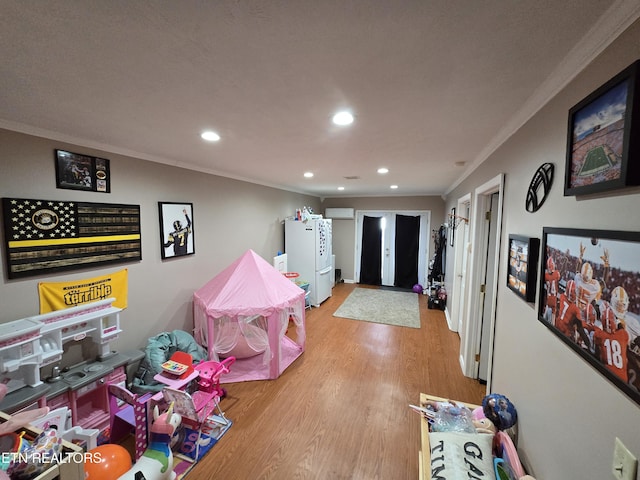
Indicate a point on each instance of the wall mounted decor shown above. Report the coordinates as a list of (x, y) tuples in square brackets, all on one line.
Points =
[(603, 137), (82, 172), (452, 226), (539, 187), (590, 299), (523, 266), (46, 236), (176, 229)]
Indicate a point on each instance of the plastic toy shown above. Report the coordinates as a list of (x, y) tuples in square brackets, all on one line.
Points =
[(156, 462), (107, 461), (174, 368), (417, 288), (209, 377), (500, 411), (449, 417), (196, 408), (128, 412)]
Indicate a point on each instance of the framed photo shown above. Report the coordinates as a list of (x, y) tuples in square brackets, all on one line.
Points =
[(523, 266), (452, 226), (590, 299), (176, 229), (82, 172), (603, 137)]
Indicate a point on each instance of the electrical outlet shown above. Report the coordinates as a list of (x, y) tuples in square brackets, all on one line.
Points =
[(625, 465)]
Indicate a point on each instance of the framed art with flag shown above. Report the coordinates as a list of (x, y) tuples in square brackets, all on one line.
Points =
[(45, 236)]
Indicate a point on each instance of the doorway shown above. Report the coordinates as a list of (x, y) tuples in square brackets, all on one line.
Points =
[(391, 248), (481, 296), (460, 264), (490, 273)]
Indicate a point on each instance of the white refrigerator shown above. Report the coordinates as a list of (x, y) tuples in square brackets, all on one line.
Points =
[(308, 248)]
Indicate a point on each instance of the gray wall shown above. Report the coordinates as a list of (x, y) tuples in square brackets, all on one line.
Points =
[(229, 217), (344, 231), (569, 414)]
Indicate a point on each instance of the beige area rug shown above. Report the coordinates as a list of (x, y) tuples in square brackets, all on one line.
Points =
[(381, 306)]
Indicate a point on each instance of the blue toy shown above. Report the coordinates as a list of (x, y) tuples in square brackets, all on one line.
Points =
[(500, 411)]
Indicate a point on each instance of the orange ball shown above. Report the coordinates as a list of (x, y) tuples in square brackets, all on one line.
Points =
[(106, 462)]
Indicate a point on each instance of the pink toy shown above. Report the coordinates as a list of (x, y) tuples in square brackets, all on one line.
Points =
[(132, 415), (209, 377), (196, 408), (156, 462), (477, 413)]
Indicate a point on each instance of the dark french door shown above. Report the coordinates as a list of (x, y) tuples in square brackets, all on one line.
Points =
[(389, 253)]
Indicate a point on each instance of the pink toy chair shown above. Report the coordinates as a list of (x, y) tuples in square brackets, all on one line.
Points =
[(130, 416)]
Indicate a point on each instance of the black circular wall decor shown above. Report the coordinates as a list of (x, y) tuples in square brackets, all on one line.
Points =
[(539, 187)]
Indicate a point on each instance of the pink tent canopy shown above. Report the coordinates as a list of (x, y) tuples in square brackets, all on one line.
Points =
[(247, 307)]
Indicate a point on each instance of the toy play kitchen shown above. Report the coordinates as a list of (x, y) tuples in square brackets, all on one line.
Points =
[(31, 343)]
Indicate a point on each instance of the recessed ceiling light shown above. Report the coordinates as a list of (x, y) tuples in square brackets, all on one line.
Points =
[(383, 170), (210, 136), (308, 174), (393, 187), (340, 188), (343, 118)]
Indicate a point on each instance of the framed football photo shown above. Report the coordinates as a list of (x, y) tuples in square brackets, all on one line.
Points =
[(176, 229), (590, 299), (523, 266), (603, 138)]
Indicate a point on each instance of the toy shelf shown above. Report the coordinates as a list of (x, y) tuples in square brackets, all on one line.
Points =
[(69, 470), (77, 334), (89, 417), (51, 357), (424, 456)]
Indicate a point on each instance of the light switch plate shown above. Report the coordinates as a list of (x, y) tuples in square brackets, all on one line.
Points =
[(625, 465)]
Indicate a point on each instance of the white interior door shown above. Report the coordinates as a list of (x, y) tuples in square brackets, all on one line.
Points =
[(484, 348), (460, 259)]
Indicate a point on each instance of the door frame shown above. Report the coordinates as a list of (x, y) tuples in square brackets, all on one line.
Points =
[(470, 336), (459, 248), (424, 243)]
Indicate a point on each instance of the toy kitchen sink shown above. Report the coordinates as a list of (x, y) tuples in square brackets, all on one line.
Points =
[(84, 374)]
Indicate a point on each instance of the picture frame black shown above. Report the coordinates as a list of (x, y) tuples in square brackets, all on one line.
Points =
[(176, 229), (452, 226), (522, 270), (590, 299), (603, 137), (75, 171)]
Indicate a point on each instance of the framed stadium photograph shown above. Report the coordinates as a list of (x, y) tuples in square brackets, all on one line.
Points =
[(603, 137), (176, 229), (590, 299), (523, 266)]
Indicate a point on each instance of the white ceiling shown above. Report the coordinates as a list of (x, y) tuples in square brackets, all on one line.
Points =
[(432, 83)]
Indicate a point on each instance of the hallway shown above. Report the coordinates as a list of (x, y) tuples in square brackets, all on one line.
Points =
[(341, 410)]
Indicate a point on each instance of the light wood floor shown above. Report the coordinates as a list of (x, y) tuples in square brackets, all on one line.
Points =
[(340, 411)]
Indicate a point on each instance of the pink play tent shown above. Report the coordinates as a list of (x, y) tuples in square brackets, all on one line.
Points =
[(244, 312)]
